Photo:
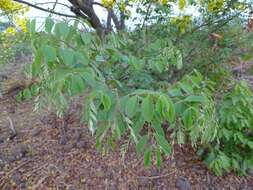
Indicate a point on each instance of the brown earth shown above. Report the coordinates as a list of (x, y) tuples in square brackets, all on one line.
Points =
[(35, 159)]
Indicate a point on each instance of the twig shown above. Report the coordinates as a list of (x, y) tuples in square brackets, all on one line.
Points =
[(14, 132), (155, 177)]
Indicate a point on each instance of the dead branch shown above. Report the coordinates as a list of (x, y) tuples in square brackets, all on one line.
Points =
[(14, 131)]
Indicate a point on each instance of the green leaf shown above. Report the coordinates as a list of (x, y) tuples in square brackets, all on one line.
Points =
[(188, 117), (250, 144), (121, 126), (158, 128), (86, 38), (159, 110), (168, 108), (106, 101), (49, 24), (158, 157), (78, 85), (179, 60), (186, 87), (170, 113), (101, 131), (166, 147), (62, 30), (131, 106), (141, 144), (193, 98), (147, 108), (147, 157), (175, 92), (136, 63), (67, 56), (32, 27), (27, 94), (82, 58), (49, 53)]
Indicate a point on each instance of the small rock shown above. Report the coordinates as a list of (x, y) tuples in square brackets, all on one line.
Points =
[(52, 169), (183, 184), (36, 131)]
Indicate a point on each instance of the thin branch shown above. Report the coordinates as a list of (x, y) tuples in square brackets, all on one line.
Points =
[(146, 16), (115, 20), (155, 177), (12, 126), (55, 3), (45, 10)]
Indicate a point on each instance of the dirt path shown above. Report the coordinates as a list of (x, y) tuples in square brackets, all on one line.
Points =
[(34, 159)]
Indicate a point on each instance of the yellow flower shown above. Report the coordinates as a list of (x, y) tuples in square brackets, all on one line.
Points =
[(181, 4), (163, 2), (122, 6), (17, 12), (215, 5), (108, 3), (21, 23), (10, 31), (10, 6)]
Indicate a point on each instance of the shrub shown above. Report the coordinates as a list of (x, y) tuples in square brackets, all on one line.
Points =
[(234, 150), (126, 93)]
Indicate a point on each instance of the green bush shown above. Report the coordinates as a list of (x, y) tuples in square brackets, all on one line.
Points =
[(133, 87), (234, 150)]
